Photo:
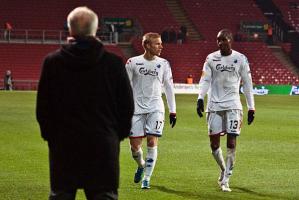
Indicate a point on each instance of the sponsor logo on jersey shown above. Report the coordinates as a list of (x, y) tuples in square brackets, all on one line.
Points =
[(145, 72), (225, 68), (216, 59), (139, 63)]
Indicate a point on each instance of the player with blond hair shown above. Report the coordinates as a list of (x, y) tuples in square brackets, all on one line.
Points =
[(148, 74)]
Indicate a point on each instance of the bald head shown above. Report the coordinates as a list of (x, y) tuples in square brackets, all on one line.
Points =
[(225, 33), (82, 22), (224, 42)]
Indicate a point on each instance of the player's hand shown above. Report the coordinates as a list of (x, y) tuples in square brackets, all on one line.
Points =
[(200, 107), (172, 119), (250, 116)]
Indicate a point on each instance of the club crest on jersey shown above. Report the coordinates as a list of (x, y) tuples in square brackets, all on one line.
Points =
[(225, 68), (235, 61), (158, 66), (145, 72)]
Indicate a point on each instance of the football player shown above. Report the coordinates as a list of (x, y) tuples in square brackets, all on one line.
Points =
[(148, 74), (222, 73)]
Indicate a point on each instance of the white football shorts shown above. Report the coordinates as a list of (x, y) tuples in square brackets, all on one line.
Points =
[(227, 121), (147, 124)]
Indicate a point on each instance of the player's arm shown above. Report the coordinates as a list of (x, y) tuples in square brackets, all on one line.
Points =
[(169, 93), (129, 70), (247, 88), (204, 85)]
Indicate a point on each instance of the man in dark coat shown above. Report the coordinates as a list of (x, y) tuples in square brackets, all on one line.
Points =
[(84, 109)]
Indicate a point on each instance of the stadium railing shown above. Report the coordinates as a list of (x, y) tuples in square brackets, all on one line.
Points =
[(22, 84), (59, 36)]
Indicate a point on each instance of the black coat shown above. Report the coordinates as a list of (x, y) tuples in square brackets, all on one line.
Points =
[(84, 109)]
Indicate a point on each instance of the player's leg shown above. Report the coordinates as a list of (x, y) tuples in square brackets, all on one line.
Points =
[(230, 162), (217, 154), (137, 155), (231, 153), (233, 129), (215, 128), (137, 133), (151, 158), (153, 129)]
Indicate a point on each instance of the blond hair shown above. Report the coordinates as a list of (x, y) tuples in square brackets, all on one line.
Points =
[(147, 38)]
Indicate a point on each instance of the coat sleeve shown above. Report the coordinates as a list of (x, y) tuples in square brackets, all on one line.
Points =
[(125, 102), (42, 102)]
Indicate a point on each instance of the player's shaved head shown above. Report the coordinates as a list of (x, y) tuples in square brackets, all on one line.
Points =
[(225, 33), (82, 21), (224, 42)]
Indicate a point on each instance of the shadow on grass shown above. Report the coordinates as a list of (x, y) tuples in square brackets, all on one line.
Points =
[(258, 194), (220, 195), (189, 195)]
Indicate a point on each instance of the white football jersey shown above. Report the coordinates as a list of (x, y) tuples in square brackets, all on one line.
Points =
[(221, 79), (148, 77)]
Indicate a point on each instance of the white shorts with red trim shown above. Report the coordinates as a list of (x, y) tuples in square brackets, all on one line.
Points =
[(226, 121), (147, 124)]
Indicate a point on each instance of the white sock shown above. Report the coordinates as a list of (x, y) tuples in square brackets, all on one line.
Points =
[(230, 161), (217, 154), (138, 157), (151, 158)]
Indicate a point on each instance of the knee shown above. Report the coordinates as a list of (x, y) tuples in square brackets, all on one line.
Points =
[(151, 143), (134, 149), (136, 144), (214, 147), (231, 145), (231, 141)]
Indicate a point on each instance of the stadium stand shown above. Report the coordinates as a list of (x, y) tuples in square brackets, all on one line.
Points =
[(286, 47), (290, 12), (265, 67), (208, 16), (24, 60), (184, 59), (188, 59), (218, 14), (30, 14)]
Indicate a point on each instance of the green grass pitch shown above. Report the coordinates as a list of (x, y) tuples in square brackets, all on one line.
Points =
[(267, 164)]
